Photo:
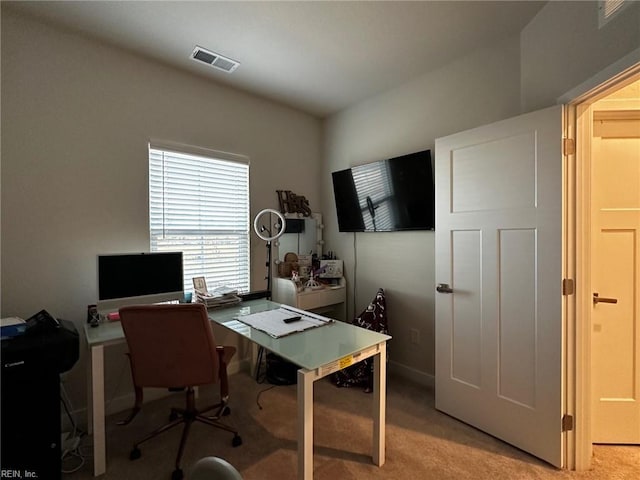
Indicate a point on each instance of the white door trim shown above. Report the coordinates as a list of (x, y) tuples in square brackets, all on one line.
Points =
[(577, 248), (572, 332)]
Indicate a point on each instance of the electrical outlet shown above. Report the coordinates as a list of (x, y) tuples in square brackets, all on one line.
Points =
[(415, 336)]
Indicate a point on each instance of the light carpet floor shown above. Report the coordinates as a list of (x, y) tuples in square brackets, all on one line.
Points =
[(421, 442)]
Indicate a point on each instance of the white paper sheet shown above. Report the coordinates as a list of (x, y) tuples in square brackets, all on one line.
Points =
[(272, 322)]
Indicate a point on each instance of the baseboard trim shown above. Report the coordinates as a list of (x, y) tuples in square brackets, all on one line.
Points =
[(416, 376)]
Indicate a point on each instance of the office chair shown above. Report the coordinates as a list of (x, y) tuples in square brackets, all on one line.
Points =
[(172, 346)]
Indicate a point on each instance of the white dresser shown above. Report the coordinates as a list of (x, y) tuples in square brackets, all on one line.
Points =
[(329, 300)]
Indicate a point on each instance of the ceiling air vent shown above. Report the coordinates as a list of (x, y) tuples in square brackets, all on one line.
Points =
[(214, 59)]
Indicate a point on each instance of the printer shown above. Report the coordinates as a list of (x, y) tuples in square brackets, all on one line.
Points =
[(31, 368)]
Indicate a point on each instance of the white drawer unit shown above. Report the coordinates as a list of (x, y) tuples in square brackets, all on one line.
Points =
[(323, 300)]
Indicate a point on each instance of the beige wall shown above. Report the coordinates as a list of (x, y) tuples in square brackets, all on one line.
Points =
[(76, 118), (471, 91), (563, 46)]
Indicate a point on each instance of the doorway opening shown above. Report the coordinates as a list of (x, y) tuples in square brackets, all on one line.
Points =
[(607, 265)]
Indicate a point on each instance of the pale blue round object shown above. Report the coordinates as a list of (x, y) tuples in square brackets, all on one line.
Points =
[(213, 468)]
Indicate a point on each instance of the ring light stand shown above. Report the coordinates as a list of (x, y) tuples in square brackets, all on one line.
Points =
[(259, 229)]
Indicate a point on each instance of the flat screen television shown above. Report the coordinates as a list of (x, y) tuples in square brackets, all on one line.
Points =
[(386, 196), (139, 278)]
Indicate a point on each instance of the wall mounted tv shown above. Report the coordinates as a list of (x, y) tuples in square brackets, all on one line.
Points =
[(386, 196)]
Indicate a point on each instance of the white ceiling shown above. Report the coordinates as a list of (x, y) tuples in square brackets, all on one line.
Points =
[(319, 57)]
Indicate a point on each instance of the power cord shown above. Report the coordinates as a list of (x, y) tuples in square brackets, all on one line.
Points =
[(355, 274), (78, 461), (261, 392), (259, 376), (73, 456), (71, 445)]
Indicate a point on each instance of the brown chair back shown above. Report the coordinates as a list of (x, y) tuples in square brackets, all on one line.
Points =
[(170, 345)]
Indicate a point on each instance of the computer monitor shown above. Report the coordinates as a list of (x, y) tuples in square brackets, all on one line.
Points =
[(138, 278)]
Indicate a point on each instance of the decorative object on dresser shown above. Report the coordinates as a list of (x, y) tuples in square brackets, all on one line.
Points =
[(293, 203), (330, 269), (288, 266)]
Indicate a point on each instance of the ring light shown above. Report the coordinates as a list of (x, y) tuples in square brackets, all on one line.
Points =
[(256, 228)]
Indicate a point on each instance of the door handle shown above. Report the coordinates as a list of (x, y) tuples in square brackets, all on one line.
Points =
[(598, 299), (444, 288)]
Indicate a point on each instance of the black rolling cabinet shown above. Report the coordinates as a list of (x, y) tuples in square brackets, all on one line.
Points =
[(30, 401)]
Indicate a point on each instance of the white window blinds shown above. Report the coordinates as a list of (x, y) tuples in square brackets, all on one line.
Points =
[(200, 205)]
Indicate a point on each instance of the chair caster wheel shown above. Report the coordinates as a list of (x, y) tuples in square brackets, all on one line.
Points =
[(177, 474), (135, 454), (226, 411), (237, 441)]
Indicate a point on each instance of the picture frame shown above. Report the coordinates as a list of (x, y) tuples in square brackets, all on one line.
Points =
[(200, 284)]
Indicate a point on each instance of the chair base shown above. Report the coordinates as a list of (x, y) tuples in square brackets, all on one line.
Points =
[(187, 416)]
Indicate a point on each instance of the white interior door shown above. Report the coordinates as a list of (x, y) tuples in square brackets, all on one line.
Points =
[(499, 333), (615, 254)]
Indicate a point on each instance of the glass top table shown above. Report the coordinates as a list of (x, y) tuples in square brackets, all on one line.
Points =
[(310, 349), (318, 351)]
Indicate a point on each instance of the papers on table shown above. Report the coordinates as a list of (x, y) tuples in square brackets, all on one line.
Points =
[(213, 301), (272, 322), (219, 297)]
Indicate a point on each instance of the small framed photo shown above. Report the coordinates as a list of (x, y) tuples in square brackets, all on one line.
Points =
[(200, 284)]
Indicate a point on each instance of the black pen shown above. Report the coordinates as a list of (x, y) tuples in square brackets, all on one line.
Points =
[(291, 319)]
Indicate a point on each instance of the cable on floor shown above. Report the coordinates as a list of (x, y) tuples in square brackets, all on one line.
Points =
[(260, 393), (76, 436)]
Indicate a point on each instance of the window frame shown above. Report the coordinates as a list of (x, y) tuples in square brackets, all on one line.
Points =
[(203, 236)]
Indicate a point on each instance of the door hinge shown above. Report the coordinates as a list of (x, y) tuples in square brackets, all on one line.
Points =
[(568, 146), (567, 286), (567, 423)]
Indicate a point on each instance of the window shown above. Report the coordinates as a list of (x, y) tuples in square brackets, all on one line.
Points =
[(199, 204)]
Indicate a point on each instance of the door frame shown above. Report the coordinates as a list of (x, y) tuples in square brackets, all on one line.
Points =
[(577, 249)]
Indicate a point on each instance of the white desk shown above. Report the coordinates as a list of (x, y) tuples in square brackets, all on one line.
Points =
[(318, 351)]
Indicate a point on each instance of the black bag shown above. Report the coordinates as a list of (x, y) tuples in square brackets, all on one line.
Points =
[(374, 317)]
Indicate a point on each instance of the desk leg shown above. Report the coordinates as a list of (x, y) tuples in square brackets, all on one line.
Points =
[(97, 411), (379, 404), (89, 396), (305, 424)]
